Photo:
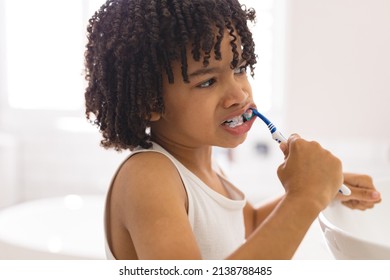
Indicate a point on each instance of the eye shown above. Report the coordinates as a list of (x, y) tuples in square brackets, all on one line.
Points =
[(207, 83)]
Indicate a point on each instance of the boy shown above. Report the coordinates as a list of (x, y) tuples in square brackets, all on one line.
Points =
[(167, 80)]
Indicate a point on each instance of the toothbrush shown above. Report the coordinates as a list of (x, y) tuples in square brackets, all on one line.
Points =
[(276, 134), (278, 137)]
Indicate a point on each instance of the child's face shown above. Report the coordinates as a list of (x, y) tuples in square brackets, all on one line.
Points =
[(195, 112)]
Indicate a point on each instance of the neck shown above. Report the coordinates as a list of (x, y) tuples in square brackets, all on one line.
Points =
[(196, 159)]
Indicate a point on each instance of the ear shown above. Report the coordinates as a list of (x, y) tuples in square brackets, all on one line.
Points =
[(155, 116)]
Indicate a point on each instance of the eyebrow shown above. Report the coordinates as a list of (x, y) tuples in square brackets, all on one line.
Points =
[(203, 71), (206, 70)]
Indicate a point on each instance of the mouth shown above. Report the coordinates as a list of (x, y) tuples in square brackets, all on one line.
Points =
[(239, 120)]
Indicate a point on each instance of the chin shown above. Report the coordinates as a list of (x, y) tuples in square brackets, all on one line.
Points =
[(232, 144)]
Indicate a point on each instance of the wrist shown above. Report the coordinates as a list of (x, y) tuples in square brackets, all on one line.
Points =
[(303, 205)]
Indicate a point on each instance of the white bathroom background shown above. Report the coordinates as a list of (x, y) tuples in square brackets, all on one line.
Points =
[(47, 147), (323, 71)]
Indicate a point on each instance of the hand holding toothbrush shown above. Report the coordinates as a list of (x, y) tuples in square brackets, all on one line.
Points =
[(309, 171), (278, 137)]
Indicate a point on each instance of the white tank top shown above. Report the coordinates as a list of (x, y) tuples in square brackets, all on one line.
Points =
[(217, 221)]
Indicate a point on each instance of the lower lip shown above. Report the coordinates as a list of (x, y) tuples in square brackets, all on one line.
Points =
[(240, 129)]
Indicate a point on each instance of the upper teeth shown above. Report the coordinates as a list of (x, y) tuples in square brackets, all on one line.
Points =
[(236, 121), (239, 120)]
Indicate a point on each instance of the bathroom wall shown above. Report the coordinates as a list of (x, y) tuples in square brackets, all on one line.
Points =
[(337, 78), (47, 152), (7, 142), (3, 79)]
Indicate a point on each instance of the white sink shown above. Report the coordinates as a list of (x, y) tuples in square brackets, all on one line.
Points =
[(69, 227), (354, 234)]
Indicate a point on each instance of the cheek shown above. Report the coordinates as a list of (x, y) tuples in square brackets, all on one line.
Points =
[(247, 87), (192, 118), (172, 102)]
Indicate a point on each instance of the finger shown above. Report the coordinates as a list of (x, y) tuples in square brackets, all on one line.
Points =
[(359, 180), (293, 137), (362, 194), (284, 148), (359, 205)]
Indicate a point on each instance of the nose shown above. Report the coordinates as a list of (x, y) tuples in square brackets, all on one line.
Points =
[(235, 95)]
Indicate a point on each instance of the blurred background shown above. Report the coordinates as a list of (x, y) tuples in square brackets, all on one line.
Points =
[(323, 72)]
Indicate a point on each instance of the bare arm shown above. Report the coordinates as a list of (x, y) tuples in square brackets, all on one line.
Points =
[(255, 216), (280, 234)]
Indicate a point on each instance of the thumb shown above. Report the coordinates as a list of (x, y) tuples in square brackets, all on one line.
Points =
[(284, 148)]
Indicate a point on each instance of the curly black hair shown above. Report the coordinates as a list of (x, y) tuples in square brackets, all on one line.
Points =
[(131, 44)]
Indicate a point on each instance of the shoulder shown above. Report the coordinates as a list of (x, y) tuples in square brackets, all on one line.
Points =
[(147, 166), (145, 177)]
